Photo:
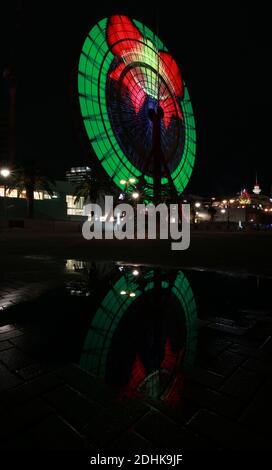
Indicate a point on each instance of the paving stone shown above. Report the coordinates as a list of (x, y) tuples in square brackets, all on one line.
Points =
[(165, 434), (11, 334), (23, 441), (43, 384), (15, 359), (88, 385), (8, 379), (126, 412), (30, 372), (26, 342), (213, 400), (72, 406), (54, 434), (101, 429), (15, 396), (131, 442), (267, 346), (5, 304), (246, 350), (21, 417), (6, 328), (232, 327), (181, 412), (30, 390), (229, 435), (209, 347), (206, 377), (258, 415), (259, 366), (5, 345), (242, 384), (225, 363)]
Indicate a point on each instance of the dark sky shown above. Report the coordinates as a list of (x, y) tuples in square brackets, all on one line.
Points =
[(224, 53)]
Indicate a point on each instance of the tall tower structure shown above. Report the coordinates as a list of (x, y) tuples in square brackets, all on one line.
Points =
[(256, 190)]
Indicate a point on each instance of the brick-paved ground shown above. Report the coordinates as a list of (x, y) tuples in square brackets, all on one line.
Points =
[(226, 402)]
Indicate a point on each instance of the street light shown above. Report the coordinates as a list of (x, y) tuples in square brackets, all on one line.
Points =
[(127, 182), (197, 204), (5, 173), (135, 195)]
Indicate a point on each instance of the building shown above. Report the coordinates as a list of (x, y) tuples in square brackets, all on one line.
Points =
[(61, 206), (250, 209), (77, 173)]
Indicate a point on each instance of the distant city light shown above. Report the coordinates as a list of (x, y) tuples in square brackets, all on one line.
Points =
[(135, 272), (223, 211), (135, 195), (224, 201), (197, 204), (231, 201)]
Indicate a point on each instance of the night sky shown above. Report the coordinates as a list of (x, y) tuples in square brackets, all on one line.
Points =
[(224, 54)]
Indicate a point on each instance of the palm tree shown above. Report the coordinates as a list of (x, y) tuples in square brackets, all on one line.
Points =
[(29, 179), (91, 189)]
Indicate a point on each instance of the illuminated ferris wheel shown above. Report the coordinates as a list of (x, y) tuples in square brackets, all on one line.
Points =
[(135, 106)]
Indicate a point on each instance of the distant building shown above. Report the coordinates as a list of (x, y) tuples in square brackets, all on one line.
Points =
[(247, 208), (60, 206), (77, 174)]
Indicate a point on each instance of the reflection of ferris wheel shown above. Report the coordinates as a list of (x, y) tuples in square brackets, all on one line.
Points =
[(153, 373), (135, 106)]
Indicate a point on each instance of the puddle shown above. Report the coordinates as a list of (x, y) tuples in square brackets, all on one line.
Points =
[(140, 328)]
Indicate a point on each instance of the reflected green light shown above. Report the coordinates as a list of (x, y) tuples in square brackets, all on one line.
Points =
[(114, 306)]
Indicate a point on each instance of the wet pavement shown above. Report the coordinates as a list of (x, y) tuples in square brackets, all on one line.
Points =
[(129, 357)]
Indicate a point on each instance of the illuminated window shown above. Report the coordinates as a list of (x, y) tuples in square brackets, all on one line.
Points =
[(74, 208), (13, 193), (38, 195)]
